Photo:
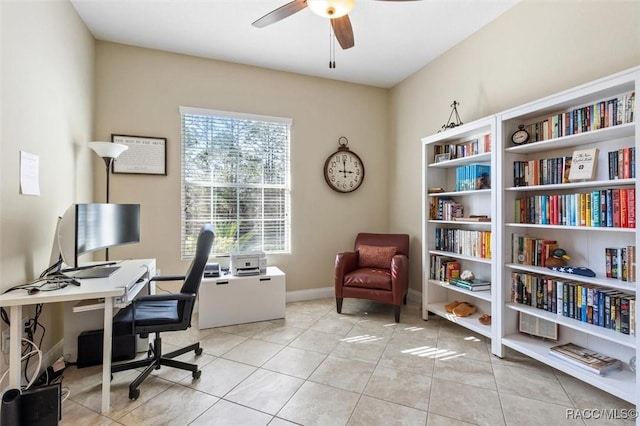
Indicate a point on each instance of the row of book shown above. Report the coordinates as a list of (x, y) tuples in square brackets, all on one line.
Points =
[(620, 263), (527, 250), (544, 171), (445, 208), (608, 308), (613, 208), (464, 241), (462, 149), (446, 269), (586, 359), (606, 113), (443, 268), (622, 163), (472, 177)]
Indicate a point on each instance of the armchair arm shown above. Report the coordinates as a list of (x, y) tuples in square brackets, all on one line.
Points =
[(399, 277), (345, 263)]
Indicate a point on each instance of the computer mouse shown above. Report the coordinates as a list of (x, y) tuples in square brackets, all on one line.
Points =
[(33, 290)]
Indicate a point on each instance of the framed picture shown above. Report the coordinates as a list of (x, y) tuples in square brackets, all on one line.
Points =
[(443, 157), (146, 155)]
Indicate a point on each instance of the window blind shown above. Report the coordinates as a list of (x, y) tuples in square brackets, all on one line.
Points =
[(236, 176)]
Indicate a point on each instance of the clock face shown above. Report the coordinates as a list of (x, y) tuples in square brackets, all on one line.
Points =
[(344, 171), (520, 136)]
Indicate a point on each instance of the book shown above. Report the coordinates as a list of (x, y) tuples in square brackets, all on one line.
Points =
[(586, 359), (583, 164), (473, 218), (475, 285)]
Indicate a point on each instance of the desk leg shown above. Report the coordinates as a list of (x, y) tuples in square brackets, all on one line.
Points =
[(106, 354), (15, 333)]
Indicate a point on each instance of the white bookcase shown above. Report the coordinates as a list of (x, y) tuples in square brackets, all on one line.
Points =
[(442, 174), (585, 244)]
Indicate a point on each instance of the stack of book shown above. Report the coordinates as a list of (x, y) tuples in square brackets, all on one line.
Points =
[(586, 358), (475, 285)]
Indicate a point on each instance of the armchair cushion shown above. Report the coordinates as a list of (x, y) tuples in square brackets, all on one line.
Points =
[(369, 278), (375, 256)]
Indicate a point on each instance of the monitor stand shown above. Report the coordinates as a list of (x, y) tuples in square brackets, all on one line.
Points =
[(97, 272)]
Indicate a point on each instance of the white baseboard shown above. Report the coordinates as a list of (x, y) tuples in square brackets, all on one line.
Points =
[(325, 292), (311, 294)]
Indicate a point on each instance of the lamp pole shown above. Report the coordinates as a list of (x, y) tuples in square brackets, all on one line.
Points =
[(108, 151)]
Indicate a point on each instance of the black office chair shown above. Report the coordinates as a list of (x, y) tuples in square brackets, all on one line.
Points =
[(164, 312)]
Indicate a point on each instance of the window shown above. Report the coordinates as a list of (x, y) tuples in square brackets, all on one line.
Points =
[(235, 175)]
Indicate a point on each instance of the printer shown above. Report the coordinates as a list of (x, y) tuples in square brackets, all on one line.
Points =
[(248, 263)]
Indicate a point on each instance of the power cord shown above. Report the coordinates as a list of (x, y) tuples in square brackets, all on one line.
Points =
[(26, 356)]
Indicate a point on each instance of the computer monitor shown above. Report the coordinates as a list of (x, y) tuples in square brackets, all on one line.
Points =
[(85, 228)]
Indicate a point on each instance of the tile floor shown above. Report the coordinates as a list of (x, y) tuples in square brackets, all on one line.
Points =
[(360, 368)]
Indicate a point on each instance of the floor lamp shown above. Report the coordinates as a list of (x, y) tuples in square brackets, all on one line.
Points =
[(108, 151)]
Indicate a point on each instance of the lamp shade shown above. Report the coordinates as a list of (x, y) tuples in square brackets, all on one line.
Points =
[(108, 149), (331, 8)]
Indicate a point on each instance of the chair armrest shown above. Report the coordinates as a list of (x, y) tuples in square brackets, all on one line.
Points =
[(167, 278), (345, 263), (399, 277), (164, 297)]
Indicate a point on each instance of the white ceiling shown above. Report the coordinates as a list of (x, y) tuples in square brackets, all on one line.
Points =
[(392, 39)]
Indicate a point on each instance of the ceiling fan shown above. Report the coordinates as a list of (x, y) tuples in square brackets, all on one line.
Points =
[(336, 10)]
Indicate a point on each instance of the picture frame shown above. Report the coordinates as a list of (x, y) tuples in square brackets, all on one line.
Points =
[(443, 157), (146, 155)]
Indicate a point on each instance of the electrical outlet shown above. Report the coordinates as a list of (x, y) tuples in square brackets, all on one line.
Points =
[(6, 335)]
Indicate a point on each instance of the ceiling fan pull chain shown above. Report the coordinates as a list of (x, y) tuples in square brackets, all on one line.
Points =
[(332, 48)]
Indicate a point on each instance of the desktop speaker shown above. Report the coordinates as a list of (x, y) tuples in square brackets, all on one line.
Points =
[(90, 346)]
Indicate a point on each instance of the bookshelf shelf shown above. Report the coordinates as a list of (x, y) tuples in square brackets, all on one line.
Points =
[(460, 256), (603, 282), (460, 222), (609, 183), (484, 294), (622, 384), (615, 132), (471, 322), (603, 333), (572, 228), (603, 105), (475, 193), (478, 158)]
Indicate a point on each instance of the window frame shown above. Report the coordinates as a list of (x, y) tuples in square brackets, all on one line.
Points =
[(286, 186)]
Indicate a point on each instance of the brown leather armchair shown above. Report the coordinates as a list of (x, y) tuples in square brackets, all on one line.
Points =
[(377, 269)]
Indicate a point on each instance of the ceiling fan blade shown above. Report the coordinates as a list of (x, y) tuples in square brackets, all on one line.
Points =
[(280, 13), (343, 31)]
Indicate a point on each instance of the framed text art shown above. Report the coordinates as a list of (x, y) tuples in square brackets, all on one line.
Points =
[(146, 155)]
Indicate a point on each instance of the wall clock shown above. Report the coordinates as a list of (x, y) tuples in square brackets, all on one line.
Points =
[(344, 170)]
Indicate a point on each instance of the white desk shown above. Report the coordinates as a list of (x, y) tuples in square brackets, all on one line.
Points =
[(111, 289)]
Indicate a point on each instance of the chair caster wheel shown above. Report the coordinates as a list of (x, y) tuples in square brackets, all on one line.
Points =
[(196, 374), (198, 351), (134, 394)]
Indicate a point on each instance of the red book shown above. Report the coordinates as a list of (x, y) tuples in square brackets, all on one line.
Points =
[(631, 207), (615, 204), (626, 163), (624, 218)]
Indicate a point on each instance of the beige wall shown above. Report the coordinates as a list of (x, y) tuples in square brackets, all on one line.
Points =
[(47, 108), (138, 92), (535, 49)]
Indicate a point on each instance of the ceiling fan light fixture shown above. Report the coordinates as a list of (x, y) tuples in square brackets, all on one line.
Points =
[(331, 8)]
